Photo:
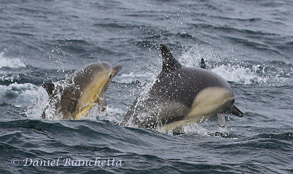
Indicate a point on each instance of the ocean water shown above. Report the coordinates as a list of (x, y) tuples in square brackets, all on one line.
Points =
[(249, 43)]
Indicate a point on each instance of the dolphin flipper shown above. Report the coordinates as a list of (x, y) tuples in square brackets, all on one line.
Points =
[(102, 102), (221, 120)]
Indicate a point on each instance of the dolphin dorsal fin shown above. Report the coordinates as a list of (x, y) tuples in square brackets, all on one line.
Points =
[(169, 62), (203, 64), (49, 86)]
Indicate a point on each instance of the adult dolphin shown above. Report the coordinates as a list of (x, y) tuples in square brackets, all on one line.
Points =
[(75, 96), (182, 96)]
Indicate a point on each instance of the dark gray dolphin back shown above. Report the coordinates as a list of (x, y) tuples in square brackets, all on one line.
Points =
[(182, 85)]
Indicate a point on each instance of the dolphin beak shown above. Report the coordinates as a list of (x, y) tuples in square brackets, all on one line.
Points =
[(236, 111), (116, 69)]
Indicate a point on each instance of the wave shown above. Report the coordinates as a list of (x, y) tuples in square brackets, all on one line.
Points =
[(9, 78), (10, 62)]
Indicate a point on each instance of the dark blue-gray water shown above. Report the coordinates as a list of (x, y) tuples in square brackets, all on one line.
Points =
[(249, 43)]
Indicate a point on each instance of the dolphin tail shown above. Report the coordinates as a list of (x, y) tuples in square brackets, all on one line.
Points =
[(236, 111)]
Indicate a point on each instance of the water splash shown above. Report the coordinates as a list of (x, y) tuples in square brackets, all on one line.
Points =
[(195, 128), (38, 103), (51, 109), (112, 114), (193, 55), (142, 97), (10, 62), (244, 72), (9, 77), (239, 74), (20, 95), (218, 64)]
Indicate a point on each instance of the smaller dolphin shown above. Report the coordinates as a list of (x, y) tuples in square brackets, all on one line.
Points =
[(74, 97), (182, 96)]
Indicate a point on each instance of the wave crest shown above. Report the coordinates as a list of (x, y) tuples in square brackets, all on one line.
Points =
[(10, 62)]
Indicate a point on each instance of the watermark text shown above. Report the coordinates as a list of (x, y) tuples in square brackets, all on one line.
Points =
[(67, 162)]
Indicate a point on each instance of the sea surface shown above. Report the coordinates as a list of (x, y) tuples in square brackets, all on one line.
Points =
[(249, 43)]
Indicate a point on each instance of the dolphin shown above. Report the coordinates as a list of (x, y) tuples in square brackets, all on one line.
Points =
[(181, 96), (74, 97)]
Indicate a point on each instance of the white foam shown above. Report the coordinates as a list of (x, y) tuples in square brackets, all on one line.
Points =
[(192, 128), (9, 77), (21, 95), (111, 114), (239, 74), (195, 128), (10, 62), (39, 99)]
